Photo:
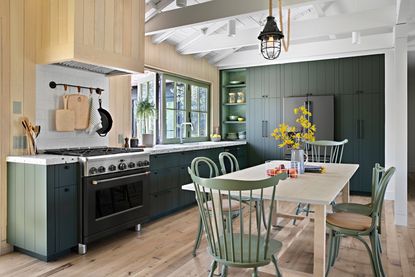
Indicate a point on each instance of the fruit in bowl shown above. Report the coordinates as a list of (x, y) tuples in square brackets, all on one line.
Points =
[(215, 137)]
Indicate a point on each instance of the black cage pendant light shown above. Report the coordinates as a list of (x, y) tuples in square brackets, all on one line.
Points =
[(270, 37)]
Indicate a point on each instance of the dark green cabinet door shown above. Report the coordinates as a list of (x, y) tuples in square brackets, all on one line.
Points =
[(254, 131), (348, 76), (164, 201), (66, 217), (164, 178), (372, 74), (273, 117), (371, 137)]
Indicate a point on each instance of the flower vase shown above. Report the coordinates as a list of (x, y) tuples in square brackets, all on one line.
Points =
[(297, 160)]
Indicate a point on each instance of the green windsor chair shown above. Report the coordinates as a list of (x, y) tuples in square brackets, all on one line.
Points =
[(202, 166), (233, 166), (322, 151), (243, 244), (347, 224)]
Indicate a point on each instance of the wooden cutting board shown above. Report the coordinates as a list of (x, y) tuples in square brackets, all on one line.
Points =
[(65, 119), (79, 104)]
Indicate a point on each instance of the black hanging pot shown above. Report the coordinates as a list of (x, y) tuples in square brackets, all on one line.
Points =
[(106, 120)]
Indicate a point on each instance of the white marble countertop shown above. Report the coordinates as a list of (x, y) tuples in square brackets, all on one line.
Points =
[(171, 148), (42, 159)]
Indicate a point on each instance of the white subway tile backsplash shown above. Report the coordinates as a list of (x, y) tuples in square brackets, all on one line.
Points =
[(48, 100)]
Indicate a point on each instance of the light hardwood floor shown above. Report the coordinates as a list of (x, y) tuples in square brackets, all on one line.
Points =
[(163, 248)]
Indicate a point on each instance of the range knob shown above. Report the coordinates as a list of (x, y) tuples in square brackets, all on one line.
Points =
[(93, 170), (146, 163), (101, 169), (112, 168), (131, 165), (140, 164), (122, 166)]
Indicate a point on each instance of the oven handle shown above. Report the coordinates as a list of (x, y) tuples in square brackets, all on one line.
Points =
[(95, 182)]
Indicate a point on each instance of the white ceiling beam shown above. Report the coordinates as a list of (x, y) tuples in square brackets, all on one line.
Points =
[(154, 7), (159, 38), (312, 51), (194, 37), (321, 27), (222, 55), (201, 55), (215, 10)]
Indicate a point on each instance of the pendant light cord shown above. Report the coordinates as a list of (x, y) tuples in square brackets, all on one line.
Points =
[(270, 7), (285, 44)]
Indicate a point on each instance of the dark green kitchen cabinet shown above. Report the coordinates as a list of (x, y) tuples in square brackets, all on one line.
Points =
[(264, 116), (358, 86), (360, 119), (169, 173), (43, 208)]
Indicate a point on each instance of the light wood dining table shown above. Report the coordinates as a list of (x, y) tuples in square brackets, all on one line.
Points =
[(318, 189)]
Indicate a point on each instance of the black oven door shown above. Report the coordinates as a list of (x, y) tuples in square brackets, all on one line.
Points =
[(114, 202)]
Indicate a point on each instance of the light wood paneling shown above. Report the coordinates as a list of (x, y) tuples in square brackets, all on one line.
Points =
[(108, 33), (165, 57), (120, 108), (18, 29)]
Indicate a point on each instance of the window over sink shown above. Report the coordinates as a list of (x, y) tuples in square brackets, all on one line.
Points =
[(183, 101)]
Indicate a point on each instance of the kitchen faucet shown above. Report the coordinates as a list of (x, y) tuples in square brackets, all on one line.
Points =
[(181, 130)]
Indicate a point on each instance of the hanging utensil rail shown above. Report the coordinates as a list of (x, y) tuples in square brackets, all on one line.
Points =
[(98, 91)]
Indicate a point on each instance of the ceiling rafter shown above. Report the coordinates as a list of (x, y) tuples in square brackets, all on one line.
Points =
[(320, 50), (194, 37), (212, 11), (217, 58), (159, 38), (154, 7), (300, 30)]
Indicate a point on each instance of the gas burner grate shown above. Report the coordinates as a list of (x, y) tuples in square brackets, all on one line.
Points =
[(90, 152)]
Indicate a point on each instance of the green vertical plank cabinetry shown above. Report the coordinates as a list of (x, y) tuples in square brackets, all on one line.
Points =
[(169, 174), (357, 84), (43, 208)]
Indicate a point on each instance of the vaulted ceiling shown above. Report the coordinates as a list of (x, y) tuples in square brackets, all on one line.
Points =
[(318, 27)]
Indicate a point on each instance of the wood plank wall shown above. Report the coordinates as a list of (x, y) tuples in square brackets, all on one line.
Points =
[(107, 33), (165, 57), (120, 109), (17, 70)]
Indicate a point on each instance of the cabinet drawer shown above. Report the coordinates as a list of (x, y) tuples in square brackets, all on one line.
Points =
[(66, 175), (165, 160)]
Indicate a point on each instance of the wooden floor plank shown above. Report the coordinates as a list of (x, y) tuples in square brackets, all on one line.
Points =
[(163, 248)]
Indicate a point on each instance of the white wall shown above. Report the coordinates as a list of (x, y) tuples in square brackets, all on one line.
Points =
[(48, 100)]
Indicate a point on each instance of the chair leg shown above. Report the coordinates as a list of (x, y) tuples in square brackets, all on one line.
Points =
[(224, 272), (213, 267), (376, 251), (307, 209), (373, 242), (264, 220), (337, 248), (255, 272), (380, 244), (297, 212), (372, 258), (198, 238), (275, 262), (330, 260)]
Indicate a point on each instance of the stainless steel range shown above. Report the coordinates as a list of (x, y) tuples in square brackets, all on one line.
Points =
[(114, 192)]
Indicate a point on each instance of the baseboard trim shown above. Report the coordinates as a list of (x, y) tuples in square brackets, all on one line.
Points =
[(5, 248)]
